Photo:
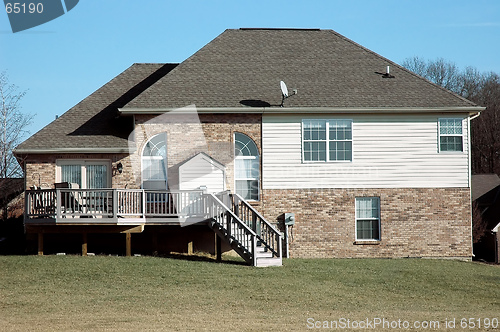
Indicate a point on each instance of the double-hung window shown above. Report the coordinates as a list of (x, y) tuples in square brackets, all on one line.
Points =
[(450, 135), (367, 218), (327, 140)]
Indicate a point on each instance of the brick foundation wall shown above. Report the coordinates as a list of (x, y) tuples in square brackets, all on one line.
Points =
[(414, 222)]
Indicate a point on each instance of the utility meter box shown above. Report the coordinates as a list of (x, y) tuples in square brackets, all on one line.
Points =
[(289, 219)]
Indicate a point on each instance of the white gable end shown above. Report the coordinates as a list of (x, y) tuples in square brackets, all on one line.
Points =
[(202, 171)]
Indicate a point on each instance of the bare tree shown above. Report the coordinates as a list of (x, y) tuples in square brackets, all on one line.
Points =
[(13, 125), (441, 72), (486, 128), (417, 65)]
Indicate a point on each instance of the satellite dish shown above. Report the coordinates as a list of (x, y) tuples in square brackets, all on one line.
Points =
[(284, 89), (284, 92)]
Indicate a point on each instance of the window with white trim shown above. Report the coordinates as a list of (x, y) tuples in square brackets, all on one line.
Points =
[(246, 167), (367, 218), (86, 174), (154, 163), (450, 135), (326, 140)]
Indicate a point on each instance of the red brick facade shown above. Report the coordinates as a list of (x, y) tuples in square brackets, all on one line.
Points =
[(414, 222)]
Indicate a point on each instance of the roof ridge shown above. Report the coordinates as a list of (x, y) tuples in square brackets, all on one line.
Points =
[(293, 29)]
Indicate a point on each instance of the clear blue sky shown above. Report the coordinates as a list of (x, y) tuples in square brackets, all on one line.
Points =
[(63, 61)]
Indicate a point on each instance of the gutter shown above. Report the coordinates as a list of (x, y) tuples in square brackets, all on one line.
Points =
[(471, 110), (71, 150)]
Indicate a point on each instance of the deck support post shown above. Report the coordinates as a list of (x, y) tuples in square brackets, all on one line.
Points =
[(84, 244), (128, 244), (190, 247), (155, 244), (40, 244), (218, 248)]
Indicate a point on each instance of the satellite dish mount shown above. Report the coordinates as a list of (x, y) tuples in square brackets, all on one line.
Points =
[(284, 92)]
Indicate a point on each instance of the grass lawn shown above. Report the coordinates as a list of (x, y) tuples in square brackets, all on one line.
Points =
[(72, 293)]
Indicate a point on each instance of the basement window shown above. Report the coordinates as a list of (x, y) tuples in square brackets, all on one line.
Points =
[(367, 219)]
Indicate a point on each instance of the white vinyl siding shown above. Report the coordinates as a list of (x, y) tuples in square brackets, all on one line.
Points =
[(391, 151)]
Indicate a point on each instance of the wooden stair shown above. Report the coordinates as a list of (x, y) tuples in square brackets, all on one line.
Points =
[(251, 236)]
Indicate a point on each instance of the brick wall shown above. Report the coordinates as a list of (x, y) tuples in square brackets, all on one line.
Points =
[(210, 133), (186, 137), (41, 169), (414, 222)]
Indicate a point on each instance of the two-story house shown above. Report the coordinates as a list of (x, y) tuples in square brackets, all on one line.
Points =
[(369, 159)]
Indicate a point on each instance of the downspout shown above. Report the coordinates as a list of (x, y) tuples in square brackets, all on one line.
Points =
[(470, 177)]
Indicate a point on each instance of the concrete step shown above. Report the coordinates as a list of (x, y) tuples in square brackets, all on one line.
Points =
[(264, 262), (263, 254)]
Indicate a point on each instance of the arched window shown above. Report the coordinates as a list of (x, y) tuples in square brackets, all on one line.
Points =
[(154, 163), (246, 167)]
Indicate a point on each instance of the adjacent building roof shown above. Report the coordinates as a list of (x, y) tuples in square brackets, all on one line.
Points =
[(240, 70), (483, 184)]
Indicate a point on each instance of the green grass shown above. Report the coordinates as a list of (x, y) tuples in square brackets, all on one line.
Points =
[(72, 293)]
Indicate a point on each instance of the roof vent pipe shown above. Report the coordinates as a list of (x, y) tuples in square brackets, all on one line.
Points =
[(387, 73)]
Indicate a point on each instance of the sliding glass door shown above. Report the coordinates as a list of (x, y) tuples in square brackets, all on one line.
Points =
[(84, 174)]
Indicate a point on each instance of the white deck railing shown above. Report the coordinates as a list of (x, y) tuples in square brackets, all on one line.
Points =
[(266, 233), (112, 203), (230, 227)]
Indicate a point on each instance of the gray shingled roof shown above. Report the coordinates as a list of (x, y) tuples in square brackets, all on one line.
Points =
[(245, 66), (237, 69), (94, 124)]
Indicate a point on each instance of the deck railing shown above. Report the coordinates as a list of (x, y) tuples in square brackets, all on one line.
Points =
[(112, 203)]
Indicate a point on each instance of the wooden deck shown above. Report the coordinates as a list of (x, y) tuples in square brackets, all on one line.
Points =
[(112, 206), (128, 211)]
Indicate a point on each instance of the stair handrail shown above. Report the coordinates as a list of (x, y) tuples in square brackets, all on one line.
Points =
[(232, 218), (275, 232)]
